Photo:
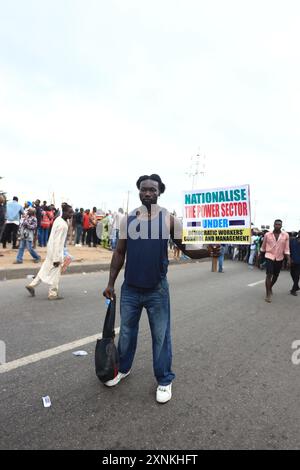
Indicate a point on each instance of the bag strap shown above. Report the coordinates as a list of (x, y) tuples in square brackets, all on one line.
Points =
[(109, 322)]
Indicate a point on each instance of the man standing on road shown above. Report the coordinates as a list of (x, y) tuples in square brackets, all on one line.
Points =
[(253, 247), (117, 219), (295, 263), (51, 268), (92, 236), (144, 238), (221, 258), (38, 214), (275, 247), (2, 217), (78, 227), (13, 214), (28, 227)]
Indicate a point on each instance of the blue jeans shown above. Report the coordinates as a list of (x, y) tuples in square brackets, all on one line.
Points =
[(45, 236), (115, 238), (26, 244), (220, 262), (157, 304), (40, 235), (78, 234)]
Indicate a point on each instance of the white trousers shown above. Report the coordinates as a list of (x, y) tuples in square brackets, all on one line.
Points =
[(252, 256), (53, 289)]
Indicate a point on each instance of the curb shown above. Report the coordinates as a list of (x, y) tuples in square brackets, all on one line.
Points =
[(21, 273)]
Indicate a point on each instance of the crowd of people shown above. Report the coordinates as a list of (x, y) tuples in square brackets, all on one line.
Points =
[(250, 253), (271, 251), (87, 227), (146, 262)]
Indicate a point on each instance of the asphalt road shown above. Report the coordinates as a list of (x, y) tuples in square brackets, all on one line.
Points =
[(236, 385)]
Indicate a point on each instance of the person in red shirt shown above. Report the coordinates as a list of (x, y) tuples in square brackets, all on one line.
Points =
[(275, 248), (85, 225), (92, 236), (46, 224)]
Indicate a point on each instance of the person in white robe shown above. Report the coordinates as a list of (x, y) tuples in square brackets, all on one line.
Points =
[(51, 268)]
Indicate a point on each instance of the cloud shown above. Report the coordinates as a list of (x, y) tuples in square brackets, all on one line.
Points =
[(101, 93)]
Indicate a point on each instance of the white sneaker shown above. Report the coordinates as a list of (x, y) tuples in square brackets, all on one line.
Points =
[(78, 245), (164, 393), (117, 379)]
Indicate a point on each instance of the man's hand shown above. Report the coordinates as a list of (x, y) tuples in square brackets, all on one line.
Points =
[(56, 264), (109, 293), (214, 250)]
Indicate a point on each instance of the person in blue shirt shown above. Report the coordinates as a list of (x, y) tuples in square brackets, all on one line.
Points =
[(13, 214), (221, 258), (2, 217), (144, 238), (295, 263)]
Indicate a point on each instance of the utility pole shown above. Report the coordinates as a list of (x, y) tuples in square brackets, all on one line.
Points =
[(197, 167)]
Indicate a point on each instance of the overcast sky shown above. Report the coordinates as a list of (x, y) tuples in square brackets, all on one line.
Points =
[(95, 93)]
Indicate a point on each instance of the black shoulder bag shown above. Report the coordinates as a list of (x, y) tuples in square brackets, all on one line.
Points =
[(106, 353)]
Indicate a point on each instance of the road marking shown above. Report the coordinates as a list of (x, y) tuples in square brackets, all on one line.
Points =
[(24, 361), (255, 283)]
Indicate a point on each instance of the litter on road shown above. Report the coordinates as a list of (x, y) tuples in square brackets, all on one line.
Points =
[(80, 353), (46, 401)]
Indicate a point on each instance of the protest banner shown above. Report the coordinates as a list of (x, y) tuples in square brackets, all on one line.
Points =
[(217, 216)]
